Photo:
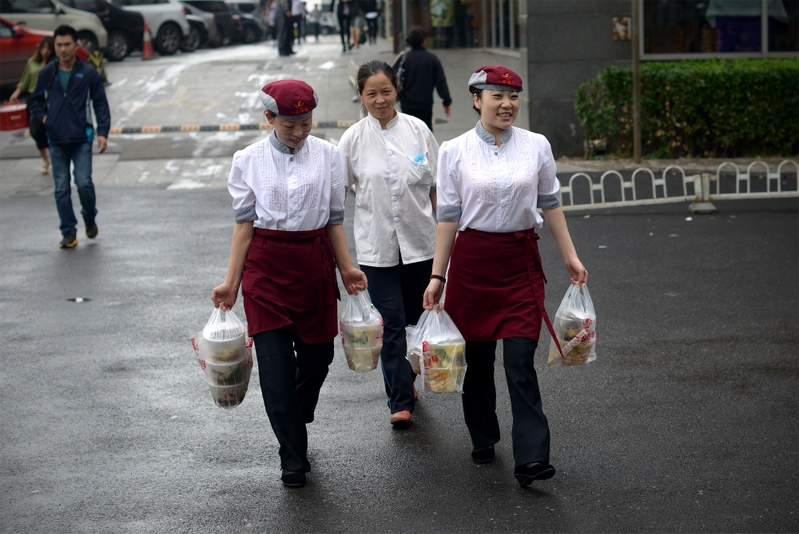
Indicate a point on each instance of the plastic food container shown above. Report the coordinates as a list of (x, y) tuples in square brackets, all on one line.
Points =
[(226, 373), (444, 367), (229, 396), (362, 345), (222, 350)]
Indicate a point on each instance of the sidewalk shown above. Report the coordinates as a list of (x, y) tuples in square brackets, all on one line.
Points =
[(191, 160)]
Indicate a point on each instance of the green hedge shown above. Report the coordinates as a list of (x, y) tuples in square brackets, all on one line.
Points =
[(715, 108)]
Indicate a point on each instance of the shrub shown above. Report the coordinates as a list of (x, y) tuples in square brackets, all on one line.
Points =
[(719, 107)]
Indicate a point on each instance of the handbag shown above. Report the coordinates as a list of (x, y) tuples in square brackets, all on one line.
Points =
[(400, 73)]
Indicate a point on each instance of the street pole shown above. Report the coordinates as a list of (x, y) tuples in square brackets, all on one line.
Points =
[(636, 35), (396, 24)]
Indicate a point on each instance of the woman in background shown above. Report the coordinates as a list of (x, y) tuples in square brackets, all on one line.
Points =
[(45, 53)]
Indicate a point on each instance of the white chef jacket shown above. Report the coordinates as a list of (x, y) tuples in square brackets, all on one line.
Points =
[(278, 190), (393, 171), (496, 189)]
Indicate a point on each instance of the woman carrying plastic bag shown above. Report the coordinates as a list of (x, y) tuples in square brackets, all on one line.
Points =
[(491, 182), (288, 201)]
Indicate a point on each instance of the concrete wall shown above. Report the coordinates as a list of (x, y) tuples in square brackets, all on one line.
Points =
[(568, 43)]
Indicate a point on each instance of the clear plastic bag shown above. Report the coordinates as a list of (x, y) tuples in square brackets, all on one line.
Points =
[(224, 352), (575, 329), (361, 332), (443, 354), (413, 339)]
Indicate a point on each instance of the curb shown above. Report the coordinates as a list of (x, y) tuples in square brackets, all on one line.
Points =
[(343, 124)]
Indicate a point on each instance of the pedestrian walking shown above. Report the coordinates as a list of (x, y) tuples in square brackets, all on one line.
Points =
[(288, 202), (421, 72), (344, 14), (285, 28), (491, 182), (371, 9), (45, 53), (65, 94), (357, 24), (390, 158), (298, 18), (314, 18)]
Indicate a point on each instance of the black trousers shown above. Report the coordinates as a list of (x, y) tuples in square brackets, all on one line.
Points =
[(285, 33), (344, 30), (530, 430), (397, 293), (423, 113), (290, 386)]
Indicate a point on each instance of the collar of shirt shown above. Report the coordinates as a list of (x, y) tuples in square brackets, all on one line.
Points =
[(376, 123), (488, 137), (278, 145)]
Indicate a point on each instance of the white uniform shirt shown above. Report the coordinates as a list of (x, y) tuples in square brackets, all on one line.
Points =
[(290, 192), (496, 189), (393, 171)]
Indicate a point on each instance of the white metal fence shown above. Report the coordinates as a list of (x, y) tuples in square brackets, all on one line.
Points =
[(643, 186)]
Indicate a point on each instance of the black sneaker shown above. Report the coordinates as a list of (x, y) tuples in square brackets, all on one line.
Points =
[(92, 230), (68, 241)]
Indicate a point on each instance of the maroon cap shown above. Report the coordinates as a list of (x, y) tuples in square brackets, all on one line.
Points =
[(289, 99), (495, 78)]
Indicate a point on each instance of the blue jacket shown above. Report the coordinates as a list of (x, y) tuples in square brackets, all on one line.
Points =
[(69, 114)]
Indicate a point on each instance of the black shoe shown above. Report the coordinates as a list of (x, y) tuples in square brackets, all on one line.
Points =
[(535, 471), (484, 455), (293, 479), (68, 241), (92, 230)]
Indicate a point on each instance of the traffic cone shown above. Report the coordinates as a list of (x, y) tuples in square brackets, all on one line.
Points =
[(147, 44)]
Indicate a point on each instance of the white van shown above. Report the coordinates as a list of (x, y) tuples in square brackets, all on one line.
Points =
[(50, 14)]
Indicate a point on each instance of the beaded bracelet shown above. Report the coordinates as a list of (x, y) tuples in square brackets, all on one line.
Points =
[(437, 277)]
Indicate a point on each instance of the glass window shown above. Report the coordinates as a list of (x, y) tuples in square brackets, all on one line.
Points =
[(5, 30), (31, 6), (720, 26), (783, 26)]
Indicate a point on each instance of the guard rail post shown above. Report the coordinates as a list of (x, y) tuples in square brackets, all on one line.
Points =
[(702, 203)]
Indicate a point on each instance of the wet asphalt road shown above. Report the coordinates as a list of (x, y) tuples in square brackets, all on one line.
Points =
[(687, 422)]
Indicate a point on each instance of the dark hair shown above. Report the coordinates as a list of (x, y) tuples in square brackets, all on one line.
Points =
[(66, 30), (479, 94), (416, 36), (373, 68), (47, 42)]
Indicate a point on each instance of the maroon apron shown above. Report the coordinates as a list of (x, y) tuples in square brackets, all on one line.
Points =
[(495, 285), (289, 280)]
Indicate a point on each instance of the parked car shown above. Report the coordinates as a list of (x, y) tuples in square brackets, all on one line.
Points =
[(228, 23), (17, 44), (203, 28), (253, 25), (50, 14), (125, 28), (166, 20), (328, 24)]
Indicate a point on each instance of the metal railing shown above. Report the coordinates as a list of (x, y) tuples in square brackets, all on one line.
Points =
[(643, 186)]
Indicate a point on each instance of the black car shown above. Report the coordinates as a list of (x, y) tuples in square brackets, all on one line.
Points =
[(228, 23), (125, 28), (254, 28)]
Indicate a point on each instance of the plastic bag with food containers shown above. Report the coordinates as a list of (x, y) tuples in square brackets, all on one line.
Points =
[(361, 331), (224, 352), (436, 350), (575, 329)]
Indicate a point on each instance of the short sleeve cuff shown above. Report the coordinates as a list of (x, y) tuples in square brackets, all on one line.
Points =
[(336, 217), (449, 213), (246, 214), (546, 202)]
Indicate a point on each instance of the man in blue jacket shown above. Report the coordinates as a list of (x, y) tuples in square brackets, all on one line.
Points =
[(65, 93)]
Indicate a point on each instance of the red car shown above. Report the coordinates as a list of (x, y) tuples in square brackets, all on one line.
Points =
[(17, 45)]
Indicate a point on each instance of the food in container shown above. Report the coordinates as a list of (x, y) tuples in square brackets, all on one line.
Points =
[(444, 366), (362, 345), (229, 396), (226, 373), (574, 329)]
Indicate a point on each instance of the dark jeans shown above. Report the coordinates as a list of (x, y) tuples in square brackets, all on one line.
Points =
[(397, 293), (290, 386), (423, 113), (79, 154), (530, 431), (285, 33)]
